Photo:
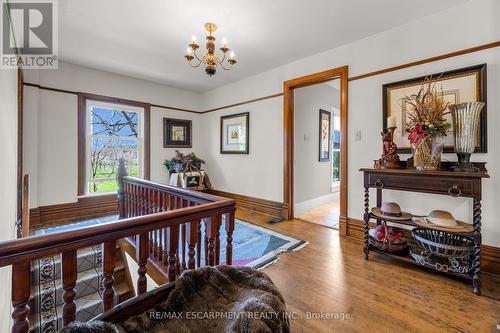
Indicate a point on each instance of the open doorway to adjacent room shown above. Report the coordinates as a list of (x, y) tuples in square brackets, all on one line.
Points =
[(317, 153)]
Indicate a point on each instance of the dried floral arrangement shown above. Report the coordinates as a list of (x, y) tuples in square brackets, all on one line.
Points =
[(426, 124), (182, 163), (426, 113)]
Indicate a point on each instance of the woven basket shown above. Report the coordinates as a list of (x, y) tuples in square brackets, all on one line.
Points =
[(442, 243), (385, 245)]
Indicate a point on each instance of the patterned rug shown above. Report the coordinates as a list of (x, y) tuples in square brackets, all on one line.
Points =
[(253, 246)]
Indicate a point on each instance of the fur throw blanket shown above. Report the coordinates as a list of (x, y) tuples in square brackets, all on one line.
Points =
[(208, 299)]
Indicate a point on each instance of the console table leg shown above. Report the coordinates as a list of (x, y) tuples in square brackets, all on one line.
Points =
[(476, 263), (367, 220)]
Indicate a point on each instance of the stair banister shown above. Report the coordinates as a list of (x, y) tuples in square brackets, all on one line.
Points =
[(146, 208)]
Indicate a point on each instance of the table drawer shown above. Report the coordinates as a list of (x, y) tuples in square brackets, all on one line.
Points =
[(455, 187)]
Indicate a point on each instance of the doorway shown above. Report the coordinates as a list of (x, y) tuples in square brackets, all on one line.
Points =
[(290, 88), (317, 153)]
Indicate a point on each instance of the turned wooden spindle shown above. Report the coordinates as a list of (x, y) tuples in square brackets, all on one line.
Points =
[(198, 246), (173, 243), (217, 239), (212, 238), (165, 246), (229, 224), (142, 260), (205, 240), (20, 296), (183, 242), (108, 269), (192, 240), (69, 276), (121, 174), (366, 218)]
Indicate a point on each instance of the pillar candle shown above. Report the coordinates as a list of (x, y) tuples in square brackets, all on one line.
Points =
[(391, 121)]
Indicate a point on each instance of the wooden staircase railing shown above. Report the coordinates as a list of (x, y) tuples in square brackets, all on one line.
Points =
[(151, 214), (174, 249)]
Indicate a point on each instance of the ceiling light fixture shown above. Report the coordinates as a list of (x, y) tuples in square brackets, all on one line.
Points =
[(210, 59)]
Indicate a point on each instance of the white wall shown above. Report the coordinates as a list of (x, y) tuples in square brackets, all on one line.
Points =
[(260, 173), (51, 125), (312, 178), (8, 179), (473, 23)]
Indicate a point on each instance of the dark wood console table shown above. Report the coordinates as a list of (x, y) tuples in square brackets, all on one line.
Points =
[(445, 182)]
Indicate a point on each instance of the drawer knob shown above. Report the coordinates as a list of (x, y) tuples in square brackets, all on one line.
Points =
[(378, 184), (454, 191)]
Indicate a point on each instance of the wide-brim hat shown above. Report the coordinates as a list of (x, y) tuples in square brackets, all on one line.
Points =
[(443, 221), (391, 211)]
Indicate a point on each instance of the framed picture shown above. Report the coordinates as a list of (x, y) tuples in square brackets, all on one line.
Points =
[(234, 133), (458, 86), (324, 135), (177, 133)]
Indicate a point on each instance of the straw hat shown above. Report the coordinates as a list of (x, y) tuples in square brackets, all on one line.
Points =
[(391, 211), (444, 221)]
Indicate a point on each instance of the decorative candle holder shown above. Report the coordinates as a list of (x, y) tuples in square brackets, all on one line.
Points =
[(465, 123)]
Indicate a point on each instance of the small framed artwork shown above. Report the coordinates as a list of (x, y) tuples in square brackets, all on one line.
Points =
[(177, 133), (235, 133), (458, 86), (324, 135)]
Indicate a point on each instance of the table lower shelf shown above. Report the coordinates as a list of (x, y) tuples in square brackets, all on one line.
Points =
[(405, 256)]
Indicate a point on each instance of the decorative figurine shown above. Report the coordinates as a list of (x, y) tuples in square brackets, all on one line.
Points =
[(390, 157)]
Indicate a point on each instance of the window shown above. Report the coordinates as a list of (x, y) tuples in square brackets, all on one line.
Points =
[(336, 148), (113, 131)]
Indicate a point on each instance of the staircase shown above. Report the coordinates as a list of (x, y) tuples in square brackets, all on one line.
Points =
[(46, 302)]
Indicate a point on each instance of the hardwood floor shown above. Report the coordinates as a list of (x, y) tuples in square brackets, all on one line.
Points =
[(330, 275), (326, 214)]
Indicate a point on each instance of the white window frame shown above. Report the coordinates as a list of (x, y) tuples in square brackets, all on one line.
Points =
[(335, 184), (89, 136)]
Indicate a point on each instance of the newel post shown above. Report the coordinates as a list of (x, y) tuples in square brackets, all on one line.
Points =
[(122, 173)]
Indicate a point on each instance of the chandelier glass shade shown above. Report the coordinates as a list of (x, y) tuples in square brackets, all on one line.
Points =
[(210, 59)]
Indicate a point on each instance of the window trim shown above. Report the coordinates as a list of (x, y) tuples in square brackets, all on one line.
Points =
[(89, 137), (83, 99)]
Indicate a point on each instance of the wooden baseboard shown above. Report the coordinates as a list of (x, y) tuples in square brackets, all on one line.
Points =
[(263, 206), (490, 255), (90, 207)]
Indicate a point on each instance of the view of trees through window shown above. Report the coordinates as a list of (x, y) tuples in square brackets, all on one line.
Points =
[(336, 149), (114, 134)]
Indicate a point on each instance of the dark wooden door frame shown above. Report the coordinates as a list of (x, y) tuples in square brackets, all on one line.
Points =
[(288, 132)]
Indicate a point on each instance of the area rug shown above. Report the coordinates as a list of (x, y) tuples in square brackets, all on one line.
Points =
[(257, 247), (253, 246)]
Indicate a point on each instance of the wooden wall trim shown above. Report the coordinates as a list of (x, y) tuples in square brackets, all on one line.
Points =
[(243, 103), (82, 125), (341, 73), (20, 141), (490, 255), (427, 60), (129, 101), (88, 207), (263, 206)]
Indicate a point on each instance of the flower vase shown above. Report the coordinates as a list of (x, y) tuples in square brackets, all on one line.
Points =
[(427, 154), (466, 120)]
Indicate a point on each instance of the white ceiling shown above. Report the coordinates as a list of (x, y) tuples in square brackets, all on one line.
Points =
[(147, 39)]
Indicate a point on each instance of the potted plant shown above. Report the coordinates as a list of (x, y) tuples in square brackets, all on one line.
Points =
[(183, 163), (427, 126)]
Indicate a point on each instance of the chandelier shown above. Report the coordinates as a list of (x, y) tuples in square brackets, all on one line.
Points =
[(210, 60)]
